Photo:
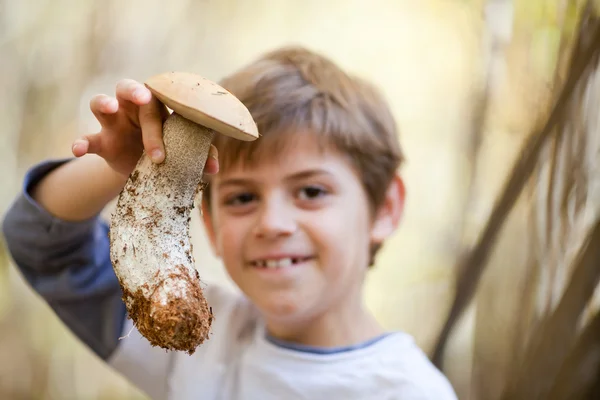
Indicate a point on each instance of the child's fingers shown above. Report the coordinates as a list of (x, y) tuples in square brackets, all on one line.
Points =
[(87, 144), (212, 163), (80, 147), (132, 91), (104, 107), (151, 123)]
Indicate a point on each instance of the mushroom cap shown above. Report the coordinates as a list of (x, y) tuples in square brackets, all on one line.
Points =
[(204, 102)]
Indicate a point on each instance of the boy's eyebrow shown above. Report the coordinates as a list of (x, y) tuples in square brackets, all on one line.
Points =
[(296, 176), (233, 182), (308, 174)]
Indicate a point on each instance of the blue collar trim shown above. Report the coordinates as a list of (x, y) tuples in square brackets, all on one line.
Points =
[(323, 350)]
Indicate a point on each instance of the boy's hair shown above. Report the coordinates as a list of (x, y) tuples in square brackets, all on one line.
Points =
[(293, 91)]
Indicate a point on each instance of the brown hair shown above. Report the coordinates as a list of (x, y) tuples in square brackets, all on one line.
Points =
[(293, 90)]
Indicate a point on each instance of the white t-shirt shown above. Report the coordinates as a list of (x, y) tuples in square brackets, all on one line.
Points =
[(240, 362)]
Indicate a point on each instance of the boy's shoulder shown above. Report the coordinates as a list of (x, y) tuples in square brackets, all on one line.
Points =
[(406, 364)]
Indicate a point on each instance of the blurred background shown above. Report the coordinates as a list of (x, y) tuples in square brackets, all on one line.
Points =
[(468, 80)]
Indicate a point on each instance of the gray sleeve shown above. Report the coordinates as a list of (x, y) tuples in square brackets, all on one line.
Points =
[(68, 264)]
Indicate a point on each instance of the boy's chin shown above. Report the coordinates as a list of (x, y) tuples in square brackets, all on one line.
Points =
[(282, 308)]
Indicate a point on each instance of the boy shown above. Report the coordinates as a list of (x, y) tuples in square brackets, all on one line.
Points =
[(296, 216)]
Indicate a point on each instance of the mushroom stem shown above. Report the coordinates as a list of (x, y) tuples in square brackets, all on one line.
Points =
[(151, 249)]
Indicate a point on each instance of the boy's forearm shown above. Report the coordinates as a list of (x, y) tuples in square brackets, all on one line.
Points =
[(79, 189)]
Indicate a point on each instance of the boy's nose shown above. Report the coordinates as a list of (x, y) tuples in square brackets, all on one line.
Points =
[(274, 221)]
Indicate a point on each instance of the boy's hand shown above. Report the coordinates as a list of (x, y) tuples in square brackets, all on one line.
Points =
[(130, 123)]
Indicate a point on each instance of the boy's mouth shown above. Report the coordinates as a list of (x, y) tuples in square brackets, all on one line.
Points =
[(279, 262)]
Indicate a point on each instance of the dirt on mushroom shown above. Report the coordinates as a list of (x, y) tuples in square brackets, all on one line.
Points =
[(185, 323)]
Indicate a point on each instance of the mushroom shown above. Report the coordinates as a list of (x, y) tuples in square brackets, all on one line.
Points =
[(150, 246)]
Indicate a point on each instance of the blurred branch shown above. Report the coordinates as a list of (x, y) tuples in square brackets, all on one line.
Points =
[(584, 56), (493, 51), (578, 377), (552, 340)]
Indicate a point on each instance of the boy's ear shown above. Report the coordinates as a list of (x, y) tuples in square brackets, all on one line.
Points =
[(390, 212), (208, 226)]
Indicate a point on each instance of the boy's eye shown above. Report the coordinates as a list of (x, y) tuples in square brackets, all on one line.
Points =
[(311, 192), (240, 199)]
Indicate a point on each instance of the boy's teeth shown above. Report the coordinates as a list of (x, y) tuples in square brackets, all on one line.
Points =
[(281, 263), (285, 262)]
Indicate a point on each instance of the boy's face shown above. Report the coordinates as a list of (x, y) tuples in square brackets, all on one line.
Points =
[(294, 231)]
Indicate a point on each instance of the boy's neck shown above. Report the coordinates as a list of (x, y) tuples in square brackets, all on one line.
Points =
[(329, 330)]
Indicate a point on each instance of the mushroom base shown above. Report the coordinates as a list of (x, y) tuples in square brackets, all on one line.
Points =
[(171, 322)]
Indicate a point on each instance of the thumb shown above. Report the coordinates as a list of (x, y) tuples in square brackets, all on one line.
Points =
[(212, 163)]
